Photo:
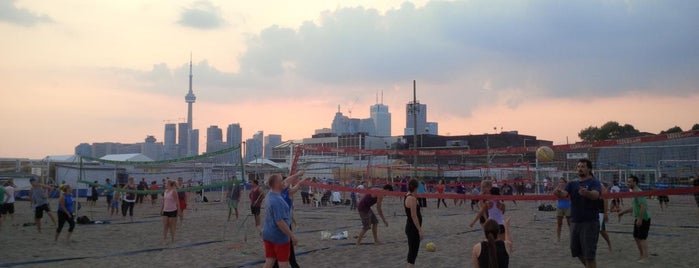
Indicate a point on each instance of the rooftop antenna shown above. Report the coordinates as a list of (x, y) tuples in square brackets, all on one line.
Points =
[(381, 96)]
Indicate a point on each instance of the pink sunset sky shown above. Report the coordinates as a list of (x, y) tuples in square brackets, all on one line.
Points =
[(96, 71)]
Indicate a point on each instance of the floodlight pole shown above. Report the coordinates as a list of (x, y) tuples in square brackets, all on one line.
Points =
[(414, 111)]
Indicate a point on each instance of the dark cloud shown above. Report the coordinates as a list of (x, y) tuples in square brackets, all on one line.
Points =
[(563, 47), (202, 15), (473, 53), (10, 13)]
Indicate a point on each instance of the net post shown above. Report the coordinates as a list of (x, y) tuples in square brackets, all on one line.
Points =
[(294, 163)]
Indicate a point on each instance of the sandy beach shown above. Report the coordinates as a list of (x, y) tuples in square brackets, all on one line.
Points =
[(206, 239)]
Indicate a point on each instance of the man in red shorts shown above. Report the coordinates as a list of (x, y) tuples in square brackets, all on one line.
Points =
[(276, 233)]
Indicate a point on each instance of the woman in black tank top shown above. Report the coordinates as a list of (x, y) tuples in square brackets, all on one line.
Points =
[(413, 224), (493, 253)]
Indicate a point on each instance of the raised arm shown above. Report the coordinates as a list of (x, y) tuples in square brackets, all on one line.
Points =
[(501, 206), (292, 179), (296, 186), (560, 193), (481, 212), (508, 236), (591, 194)]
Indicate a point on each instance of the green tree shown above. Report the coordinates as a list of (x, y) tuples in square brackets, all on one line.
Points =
[(674, 129), (695, 127), (610, 130), (589, 134)]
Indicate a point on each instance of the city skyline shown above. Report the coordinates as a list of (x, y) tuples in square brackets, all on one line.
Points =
[(546, 68)]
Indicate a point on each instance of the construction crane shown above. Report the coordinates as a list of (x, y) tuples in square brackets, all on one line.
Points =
[(352, 107)]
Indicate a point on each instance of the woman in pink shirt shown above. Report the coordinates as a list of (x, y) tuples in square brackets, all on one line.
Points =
[(169, 210)]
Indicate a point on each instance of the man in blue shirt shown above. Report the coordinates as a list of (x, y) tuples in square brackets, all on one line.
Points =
[(275, 232), (584, 210)]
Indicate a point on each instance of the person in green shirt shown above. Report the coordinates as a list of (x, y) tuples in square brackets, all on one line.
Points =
[(641, 219)]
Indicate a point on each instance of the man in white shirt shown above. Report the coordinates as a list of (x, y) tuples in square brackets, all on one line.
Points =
[(8, 206)]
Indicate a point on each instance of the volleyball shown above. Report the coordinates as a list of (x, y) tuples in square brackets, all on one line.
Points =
[(544, 154), (431, 247)]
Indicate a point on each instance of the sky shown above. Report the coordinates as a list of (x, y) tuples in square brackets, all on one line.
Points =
[(77, 71)]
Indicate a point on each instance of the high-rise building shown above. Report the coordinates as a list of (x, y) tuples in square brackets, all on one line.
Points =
[(189, 99), (341, 123), (214, 138), (367, 126), (379, 124), (214, 143), (183, 133), (432, 128), (382, 119), (100, 149), (213, 134), (170, 146), (83, 149), (195, 142), (254, 146), (234, 137), (152, 149), (419, 111), (271, 140)]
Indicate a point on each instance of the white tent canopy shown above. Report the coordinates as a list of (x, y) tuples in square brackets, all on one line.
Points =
[(265, 162), (127, 157), (69, 158)]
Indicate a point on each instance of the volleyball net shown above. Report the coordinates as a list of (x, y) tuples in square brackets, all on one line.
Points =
[(211, 171), (663, 169)]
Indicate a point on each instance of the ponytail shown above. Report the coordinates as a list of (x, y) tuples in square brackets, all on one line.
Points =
[(491, 229), (492, 252)]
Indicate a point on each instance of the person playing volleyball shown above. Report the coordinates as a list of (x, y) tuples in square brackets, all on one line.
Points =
[(369, 220)]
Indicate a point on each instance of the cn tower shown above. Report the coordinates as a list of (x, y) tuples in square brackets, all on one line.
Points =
[(190, 99)]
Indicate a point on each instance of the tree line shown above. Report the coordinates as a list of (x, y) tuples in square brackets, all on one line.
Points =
[(614, 130)]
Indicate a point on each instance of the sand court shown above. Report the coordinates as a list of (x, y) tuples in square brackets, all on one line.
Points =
[(205, 239)]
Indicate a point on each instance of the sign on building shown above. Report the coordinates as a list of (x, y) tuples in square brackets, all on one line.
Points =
[(576, 155)]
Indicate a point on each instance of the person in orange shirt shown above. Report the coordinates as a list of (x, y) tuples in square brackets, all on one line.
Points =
[(440, 191)]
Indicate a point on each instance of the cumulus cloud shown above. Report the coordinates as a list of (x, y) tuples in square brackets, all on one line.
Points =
[(208, 82), (202, 15), (520, 50), (10, 13)]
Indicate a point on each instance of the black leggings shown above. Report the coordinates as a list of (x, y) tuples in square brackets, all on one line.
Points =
[(62, 219), (306, 197), (422, 202), (443, 202), (127, 205), (413, 243)]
